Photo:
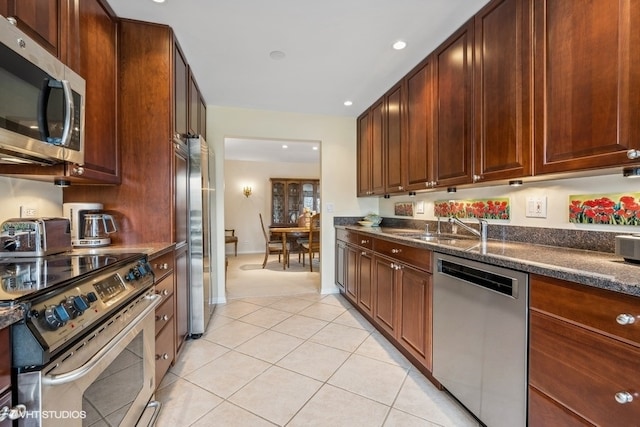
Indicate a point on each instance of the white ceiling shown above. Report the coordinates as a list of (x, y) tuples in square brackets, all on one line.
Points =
[(336, 50), (266, 150)]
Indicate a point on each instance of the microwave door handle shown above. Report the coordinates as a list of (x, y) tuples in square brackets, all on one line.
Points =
[(43, 101), (68, 113)]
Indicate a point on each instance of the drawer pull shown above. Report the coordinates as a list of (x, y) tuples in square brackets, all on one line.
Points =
[(623, 397), (165, 356), (164, 317), (363, 253), (396, 251), (164, 292), (625, 319), (364, 242)]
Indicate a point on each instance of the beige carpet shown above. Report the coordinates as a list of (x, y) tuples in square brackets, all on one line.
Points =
[(247, 278)]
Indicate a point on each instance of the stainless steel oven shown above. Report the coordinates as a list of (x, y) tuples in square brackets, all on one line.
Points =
[(85, 353)]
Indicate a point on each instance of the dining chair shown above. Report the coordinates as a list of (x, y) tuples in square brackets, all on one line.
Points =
[(230, 237), (271, 246), (313, 245)]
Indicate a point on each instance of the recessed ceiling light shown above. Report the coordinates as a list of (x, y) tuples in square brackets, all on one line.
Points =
[(158, 1), (285, 146), (348, 103), (399, 45), (277, 55)]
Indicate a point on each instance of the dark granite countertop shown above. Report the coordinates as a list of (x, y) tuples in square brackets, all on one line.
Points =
[(10, 315), (598, 269)]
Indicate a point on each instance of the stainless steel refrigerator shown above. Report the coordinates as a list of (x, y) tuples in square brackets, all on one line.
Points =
[(201, 235)]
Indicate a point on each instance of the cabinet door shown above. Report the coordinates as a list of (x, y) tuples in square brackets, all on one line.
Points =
[(351, 274), (587, 83), (194, 106), (39, 19), (181, 207), (414, 328), (385, 311), (365, 282), (503, 98), (278, 210), (165, 349), (97, 35), (341, 253), (363, 155), (182, 295), (377, 152), (454, 112), (181, 94), (202, 130), (294, 195), (419, 124), (394, 149)]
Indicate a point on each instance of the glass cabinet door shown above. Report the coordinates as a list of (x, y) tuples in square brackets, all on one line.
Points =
[(293, 201), (277, 200)]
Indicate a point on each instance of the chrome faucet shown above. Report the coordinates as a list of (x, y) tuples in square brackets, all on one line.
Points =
[(482, 234)]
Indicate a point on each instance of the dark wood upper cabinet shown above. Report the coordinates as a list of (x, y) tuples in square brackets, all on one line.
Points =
[(370, 151), (203, 117), (503, 92), (393, 146), (453, 73), (181, 94), (194, 106), (39, 19), (419, 126), (587, 83)]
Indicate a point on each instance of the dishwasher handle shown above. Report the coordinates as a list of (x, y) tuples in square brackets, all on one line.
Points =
[(496, 282)]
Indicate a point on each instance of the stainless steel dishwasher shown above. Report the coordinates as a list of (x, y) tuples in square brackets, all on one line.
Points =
[(480, 338)]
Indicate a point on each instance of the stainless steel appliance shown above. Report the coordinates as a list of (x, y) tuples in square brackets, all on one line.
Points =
[(480, 338), (22, 237), (200, 183), (84, 354), (41, 103), (90, 226), (628, 247)]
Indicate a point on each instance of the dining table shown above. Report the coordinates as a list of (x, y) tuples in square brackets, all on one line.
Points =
[(284, 231)]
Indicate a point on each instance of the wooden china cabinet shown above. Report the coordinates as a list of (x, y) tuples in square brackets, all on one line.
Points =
[(289, 197)]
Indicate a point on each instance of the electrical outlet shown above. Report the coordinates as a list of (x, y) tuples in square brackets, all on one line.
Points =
[(28, 212), (536, 207)]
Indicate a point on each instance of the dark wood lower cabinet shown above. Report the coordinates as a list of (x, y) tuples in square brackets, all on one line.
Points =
[(414, 328), (365, 282), (545, 412), (386, 296)]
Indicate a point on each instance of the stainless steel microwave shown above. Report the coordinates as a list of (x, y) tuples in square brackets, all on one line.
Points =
[(41, 103)]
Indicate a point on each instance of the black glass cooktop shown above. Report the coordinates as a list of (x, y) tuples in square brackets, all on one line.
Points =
[(23, 278)]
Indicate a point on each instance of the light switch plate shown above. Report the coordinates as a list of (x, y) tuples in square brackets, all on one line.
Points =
[(536, 207)]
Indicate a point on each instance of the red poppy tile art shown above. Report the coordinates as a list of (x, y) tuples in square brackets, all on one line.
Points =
[(614, 209), (478, 208)]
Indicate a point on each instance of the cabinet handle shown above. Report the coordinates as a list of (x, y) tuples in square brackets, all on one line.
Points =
[(78, 170), (396, 251), (164, 317), (12, 21), (162, 266), (363, 253), (477, 178), (14, 413), (625, 319), (164, 292), (623, 397), (392, 265), (633, 154), (364, 242), (165, 356)]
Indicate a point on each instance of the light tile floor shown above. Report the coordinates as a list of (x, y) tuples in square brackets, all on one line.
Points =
[(304, 360)]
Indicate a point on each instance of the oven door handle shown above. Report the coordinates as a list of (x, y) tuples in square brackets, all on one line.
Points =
[(67, 377)]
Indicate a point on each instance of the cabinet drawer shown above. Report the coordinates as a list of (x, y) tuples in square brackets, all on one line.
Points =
[(165, 344), (165, 286), (544, 412), (5, 360), (584, 370), (163, 265), (594, 308), (417, 257), (164, 313), (354, 238)]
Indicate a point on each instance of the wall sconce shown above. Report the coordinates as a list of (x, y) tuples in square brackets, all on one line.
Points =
[(246, 191), (515, 183)]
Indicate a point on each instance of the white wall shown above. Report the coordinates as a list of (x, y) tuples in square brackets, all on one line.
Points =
[(337, 136), (556, 191), (240, 212), (44, 196)]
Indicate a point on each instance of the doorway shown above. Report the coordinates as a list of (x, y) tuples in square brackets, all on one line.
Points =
[(249, 166)]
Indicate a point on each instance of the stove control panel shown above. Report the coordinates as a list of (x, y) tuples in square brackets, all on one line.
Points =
[(74, 309)]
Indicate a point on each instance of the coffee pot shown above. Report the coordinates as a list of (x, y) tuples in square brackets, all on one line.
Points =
[(96, 229)]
